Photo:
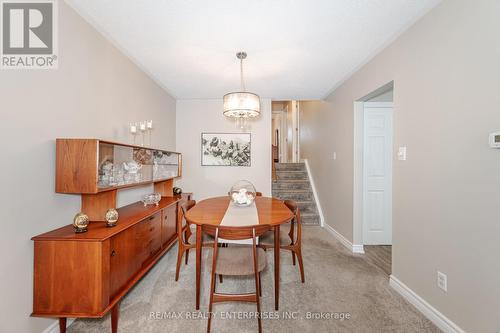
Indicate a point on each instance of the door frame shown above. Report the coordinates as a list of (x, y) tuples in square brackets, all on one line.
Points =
[(297, 132), (282, 145), (358, 180)]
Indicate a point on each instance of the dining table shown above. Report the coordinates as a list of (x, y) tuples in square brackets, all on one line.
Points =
[(270, 211)]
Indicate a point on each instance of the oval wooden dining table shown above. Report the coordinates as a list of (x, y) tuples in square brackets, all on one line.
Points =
[(211, 211)]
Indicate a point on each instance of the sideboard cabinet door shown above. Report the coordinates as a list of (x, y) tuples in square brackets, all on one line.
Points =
[(169, 224), (125, 259), (68, 277)]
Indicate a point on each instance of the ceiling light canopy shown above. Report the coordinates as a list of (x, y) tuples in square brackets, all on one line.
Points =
[(241, 104)]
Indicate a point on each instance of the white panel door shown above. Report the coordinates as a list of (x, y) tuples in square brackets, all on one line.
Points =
[(377, 174)]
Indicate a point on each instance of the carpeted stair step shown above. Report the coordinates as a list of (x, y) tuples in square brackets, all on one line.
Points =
[(297, 195), (284, 175), (290, 167), (291, 184)]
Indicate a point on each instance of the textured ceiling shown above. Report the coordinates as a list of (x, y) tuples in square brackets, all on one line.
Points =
[(297, 49)]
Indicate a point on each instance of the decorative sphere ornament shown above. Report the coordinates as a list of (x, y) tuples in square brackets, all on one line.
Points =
[(177, 190), (111, 217), (80, 222), (242, 193)]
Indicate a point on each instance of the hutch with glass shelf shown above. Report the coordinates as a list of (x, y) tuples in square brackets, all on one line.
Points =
[(85, 275)]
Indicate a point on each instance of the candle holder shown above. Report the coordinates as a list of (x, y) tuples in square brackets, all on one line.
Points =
[(133, 131), (149, 126), (143, 129)]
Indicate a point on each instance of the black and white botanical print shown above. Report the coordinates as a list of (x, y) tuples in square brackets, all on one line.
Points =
[(230, 149)]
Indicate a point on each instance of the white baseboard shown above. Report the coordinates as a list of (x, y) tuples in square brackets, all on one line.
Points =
[(354, 248), (358, 248), (54, 327), (315, 194), (440, 320)]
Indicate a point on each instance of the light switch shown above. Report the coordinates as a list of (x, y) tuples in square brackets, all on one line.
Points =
[(334, 155), (402, 153)]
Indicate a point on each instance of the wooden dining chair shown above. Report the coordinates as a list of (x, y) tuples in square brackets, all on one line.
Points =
[(291, 241), (186, 239), (236, 261)]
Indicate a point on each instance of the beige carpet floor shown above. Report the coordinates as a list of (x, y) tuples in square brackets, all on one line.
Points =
[(338, 284), (380, 256)]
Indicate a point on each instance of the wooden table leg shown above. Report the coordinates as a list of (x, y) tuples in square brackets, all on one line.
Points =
[(115, 314), (198, 265), (276, 266), (62, 325)]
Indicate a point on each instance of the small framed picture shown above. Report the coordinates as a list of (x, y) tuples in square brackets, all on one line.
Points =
[(226, 149)]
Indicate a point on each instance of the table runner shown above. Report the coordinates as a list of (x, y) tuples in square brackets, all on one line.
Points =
[(237, 216)]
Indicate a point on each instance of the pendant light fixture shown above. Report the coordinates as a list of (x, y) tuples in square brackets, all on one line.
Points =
[(242, 104)]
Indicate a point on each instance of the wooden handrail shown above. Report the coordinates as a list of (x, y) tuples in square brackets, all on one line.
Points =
[(273, 166)]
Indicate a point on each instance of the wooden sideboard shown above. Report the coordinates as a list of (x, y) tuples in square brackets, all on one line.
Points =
[(85, 275)]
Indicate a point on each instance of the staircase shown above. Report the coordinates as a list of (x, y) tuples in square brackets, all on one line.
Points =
[(292, 182)]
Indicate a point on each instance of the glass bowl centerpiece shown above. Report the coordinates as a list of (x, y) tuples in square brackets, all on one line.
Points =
[(151, 199), (242, 193)]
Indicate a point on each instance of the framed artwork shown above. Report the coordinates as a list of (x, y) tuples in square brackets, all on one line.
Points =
[(225, 149)]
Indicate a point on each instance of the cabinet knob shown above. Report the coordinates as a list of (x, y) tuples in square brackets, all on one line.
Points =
[(113, 253)]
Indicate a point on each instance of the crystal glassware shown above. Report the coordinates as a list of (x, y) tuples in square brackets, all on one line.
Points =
[(151, 199), (242, 193)]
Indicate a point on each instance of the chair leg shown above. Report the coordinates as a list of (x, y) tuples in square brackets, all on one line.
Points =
[(187, 234), (260, 286), (257, 296), (187, 256), (258, 305), (212, 291), (301, 264), (209, 315), (212, 279), (293, 258), (291, 233), (179, 261)]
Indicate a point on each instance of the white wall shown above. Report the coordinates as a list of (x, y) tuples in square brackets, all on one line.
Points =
[(197, 116), (95, 92), (446, 77)]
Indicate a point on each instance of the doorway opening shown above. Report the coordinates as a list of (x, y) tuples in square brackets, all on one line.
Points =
[(285, 131), (291, 178), (373, 151)]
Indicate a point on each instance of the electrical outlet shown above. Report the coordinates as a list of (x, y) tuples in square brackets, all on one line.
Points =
[(442, 281)]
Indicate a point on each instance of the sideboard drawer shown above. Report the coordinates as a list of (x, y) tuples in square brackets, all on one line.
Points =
[(149, 237)]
